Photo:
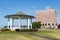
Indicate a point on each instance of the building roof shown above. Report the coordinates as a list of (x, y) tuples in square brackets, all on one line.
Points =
[(19, 14)]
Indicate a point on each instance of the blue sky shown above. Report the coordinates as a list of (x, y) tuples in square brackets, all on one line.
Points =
[(28, 6)]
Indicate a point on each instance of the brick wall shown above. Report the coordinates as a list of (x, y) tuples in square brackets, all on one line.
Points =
[(46, 17)]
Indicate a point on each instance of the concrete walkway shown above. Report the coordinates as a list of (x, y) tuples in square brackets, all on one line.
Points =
[(39, 37)]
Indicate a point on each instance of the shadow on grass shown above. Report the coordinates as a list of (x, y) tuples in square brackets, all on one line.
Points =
[(29, 33), (41, 36)]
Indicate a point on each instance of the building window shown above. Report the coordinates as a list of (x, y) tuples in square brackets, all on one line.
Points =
[(45, 24), (48, 23), (56, 23), (53, 24)]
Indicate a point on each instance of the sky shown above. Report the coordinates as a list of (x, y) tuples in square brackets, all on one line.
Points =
[(29, 7)]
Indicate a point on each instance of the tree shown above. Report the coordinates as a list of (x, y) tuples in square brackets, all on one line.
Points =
[(36, 24)]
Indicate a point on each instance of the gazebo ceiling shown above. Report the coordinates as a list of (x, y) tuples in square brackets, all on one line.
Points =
[(19, 14)]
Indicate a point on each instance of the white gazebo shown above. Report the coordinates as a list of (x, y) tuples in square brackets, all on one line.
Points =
[(19, 15)]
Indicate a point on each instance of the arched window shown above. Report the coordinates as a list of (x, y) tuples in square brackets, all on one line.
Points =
[(45, 24), (48, 23), (56, 23), (53, 24)]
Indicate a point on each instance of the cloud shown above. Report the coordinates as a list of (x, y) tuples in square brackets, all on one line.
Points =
[(33, 6), (6, 3), (29, 10)]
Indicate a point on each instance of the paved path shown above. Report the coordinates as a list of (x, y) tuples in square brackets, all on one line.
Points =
[(40, 37)]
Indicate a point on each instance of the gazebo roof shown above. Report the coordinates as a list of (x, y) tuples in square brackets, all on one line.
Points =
[(19, 14)]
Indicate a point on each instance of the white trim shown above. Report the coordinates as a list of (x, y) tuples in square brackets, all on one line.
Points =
[(11, 23), (28, 23), (19, 23), (31, 23), (8, 23)]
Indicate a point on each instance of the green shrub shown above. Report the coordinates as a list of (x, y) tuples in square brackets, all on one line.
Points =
[(5, 30), (36, 24), (26, 30)]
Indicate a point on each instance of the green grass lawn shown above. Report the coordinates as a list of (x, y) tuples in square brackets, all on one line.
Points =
[(49, 33), (15, 36), (21, 36)]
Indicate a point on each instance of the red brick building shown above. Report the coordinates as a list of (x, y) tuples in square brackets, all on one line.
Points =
[(48, 18)]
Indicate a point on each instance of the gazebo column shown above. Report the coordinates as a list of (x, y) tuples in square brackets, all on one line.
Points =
[(28, 23), (8, 24), (31, 23), (19, 23), (11, 23)]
